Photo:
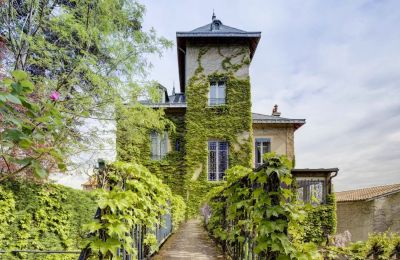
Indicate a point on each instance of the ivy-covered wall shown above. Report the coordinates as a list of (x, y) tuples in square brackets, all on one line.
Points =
[(230, 122), (43, 217), (171, 169), (320, 221)]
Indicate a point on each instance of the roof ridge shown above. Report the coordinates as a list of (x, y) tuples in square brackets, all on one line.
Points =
[(365, 188)]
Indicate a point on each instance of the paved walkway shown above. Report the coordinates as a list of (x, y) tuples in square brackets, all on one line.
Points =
[(191, 241)]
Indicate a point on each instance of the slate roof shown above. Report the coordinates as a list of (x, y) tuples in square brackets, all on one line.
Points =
[(367, 193), (261, 118), (213, 33)]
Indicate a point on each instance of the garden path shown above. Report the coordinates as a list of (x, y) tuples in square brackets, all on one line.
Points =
[(191, 241)]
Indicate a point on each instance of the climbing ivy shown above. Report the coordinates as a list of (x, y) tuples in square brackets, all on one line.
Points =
[(249, 215), (42, 217), (319, 222), (136, 198), (229, 122), (378, 246)]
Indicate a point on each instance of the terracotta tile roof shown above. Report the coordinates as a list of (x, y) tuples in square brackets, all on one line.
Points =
[(367, 193)]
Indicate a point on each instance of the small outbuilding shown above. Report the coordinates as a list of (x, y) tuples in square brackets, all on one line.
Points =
[(368, 210)]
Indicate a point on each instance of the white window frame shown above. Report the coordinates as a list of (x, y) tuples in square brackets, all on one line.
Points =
[(217, 160), (161, 140), (217, 100), (262, 152)]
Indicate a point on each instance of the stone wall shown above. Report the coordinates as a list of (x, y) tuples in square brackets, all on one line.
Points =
[(212, 60), (363, 217), (282, 137), (355, 217)]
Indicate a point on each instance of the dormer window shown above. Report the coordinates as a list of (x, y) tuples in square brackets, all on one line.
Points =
[(217, 95)]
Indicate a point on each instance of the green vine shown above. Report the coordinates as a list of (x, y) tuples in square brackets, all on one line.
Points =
[(46, 217), (230, 122), (250, 213), (136, 198)]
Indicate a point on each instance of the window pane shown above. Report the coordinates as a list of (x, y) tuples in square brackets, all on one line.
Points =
[(262, 146), (217, 159), (258, 154), (212, 162), (311, 191), (221, 92), (163, 143), (154, 145), (223, 163)]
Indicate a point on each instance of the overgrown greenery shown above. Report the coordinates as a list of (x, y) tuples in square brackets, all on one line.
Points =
[(230, 122), (136, 198), (378, 246), (89, 53), (30, 132), (43, 217), (133, 142), (250, 213), (318, 222)]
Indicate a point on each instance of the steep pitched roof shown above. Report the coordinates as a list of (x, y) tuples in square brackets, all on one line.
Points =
[(213, 33), (367, 193)]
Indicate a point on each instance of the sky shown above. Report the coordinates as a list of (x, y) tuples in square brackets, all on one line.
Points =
[(335, 63)]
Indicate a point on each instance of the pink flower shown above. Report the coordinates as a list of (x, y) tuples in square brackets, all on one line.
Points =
[(55, 95)]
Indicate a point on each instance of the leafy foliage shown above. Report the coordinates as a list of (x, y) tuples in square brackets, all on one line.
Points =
[(46, 217), (90, 52), (250, 213), (230, 122), (29, 133), (378, 246), (136, 198)]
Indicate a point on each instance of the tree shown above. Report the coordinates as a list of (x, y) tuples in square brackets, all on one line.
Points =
[(90, 52), (28, 133)]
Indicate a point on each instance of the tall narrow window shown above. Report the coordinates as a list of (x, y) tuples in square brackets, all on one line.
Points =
[(217, 160), (217, 95), (159, 144), (262, 146)]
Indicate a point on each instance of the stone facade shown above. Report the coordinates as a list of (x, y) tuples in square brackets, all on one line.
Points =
[(281, 135), (368, 216), (212, 60)]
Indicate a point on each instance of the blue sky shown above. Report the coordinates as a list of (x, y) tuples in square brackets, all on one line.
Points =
[(334, 63)]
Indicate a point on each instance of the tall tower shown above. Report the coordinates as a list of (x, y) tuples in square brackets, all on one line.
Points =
[(214, 65)]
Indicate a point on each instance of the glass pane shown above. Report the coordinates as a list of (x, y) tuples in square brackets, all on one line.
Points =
[(212, 145), (221, 93), (213, 93), (223, 163), (212, 165), (154, 146), (163, 144), (258, 154), (311, 191), (316, 192)]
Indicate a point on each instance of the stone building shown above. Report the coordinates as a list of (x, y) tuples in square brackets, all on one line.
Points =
[(368, 210), (215, 128)]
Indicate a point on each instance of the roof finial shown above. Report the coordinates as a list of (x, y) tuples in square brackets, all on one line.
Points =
[(213, 16), (173, 88)]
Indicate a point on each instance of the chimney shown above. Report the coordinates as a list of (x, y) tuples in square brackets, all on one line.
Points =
[(275, 111)]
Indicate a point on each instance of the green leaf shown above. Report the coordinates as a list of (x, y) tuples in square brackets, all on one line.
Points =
[(25, 143), (19, 75), (27, 85), (39, 170), (13, 99), (13, 134)]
